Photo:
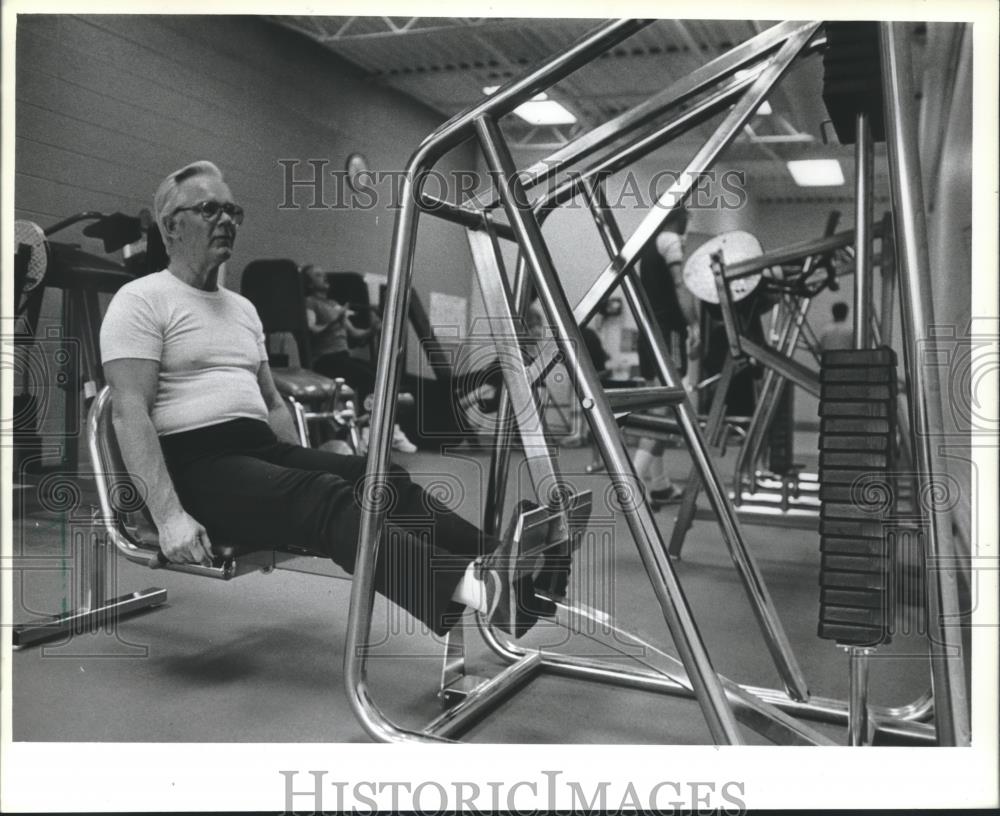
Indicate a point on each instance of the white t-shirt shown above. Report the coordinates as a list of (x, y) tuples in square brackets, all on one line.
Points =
[(209, 346)]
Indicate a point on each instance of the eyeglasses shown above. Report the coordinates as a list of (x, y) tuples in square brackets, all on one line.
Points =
[(211, 210)]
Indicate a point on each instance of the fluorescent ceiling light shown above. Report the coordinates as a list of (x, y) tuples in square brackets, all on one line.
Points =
[(540, 110), (744, 73), (544, 112), (816, 172)]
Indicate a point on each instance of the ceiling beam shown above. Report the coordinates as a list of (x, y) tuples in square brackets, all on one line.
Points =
[(411, 29)]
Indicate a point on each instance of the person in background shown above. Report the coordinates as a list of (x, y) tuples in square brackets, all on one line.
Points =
[(839, 334), (676, 312), (332, 330), (535, 323), (211, 445)]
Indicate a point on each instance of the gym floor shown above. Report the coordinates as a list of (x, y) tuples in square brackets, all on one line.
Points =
[(259, 658)]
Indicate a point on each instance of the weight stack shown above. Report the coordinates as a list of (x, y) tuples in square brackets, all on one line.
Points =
[(852, 78), (857, 411)]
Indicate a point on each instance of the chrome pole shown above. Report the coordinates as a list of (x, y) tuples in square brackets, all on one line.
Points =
[(374, 505), (715, 432), (863, 177), (887, 273), (943, 609), (858, 722)]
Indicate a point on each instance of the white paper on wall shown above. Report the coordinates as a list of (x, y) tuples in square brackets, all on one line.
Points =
[(449, 314)]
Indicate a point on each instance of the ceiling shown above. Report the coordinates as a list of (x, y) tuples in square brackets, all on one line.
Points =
[(445, 63)]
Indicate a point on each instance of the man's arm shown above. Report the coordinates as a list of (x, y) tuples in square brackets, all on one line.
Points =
[(278, 415), (133, 391)]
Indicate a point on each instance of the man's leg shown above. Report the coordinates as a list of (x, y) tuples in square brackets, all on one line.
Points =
[(313, 499), (458, 576), (409, 501)]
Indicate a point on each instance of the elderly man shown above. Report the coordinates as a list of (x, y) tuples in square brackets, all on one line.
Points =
[(204, 431)]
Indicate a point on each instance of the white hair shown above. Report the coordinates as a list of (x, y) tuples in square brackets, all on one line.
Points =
[(167, 193)]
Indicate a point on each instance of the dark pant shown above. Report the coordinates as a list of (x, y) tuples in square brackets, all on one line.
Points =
[(253, 492)]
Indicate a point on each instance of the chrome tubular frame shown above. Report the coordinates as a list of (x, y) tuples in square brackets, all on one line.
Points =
[(943, 562), (609, 147), (343, 417), (864, 173), (300, 419), (482, 121), (389, 372)]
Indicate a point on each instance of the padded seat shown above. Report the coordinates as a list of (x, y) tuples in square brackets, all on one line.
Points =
[(129, 525), (307, 386)]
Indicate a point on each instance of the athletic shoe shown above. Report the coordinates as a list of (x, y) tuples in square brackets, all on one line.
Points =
[(510, 586), (400, 442)]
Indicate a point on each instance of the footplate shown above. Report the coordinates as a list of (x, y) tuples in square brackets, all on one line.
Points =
[(561, 545), (537, 532)]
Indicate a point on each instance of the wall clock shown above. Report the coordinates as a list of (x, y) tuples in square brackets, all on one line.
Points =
[(358, 174)]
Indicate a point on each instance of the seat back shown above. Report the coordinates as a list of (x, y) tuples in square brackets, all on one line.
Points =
[(275, 289), (124, 512), (123, 506)]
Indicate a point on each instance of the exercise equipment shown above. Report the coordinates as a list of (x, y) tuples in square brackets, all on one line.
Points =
[(317, 403), (737, 246), (769, 486), (782, 494), (853, 94), (857, 433), (121, 524), (857, 410), (504, 304), (852, 79), (31, 260), (64, 358), (507, 213)]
